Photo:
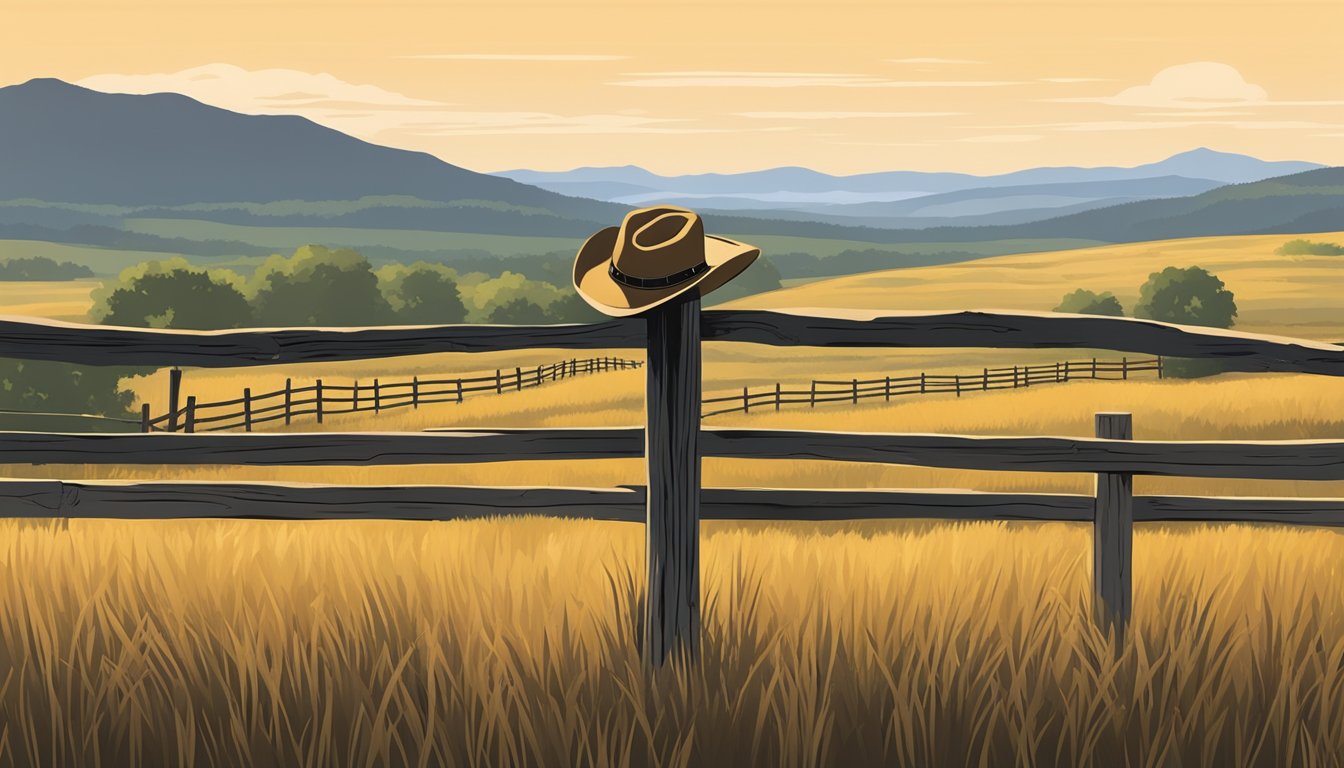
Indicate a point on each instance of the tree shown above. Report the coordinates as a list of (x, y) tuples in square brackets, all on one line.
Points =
[(759, 277), (319, 286), (423, 293), (1191, 296), (520, 311), (1085, 302), (180, 298), (41, 386), (573, 309)]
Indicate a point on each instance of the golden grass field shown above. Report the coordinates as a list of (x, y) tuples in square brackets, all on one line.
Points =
[(510, 642)]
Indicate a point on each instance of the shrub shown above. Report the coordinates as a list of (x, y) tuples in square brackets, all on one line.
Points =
[(1085, 302)]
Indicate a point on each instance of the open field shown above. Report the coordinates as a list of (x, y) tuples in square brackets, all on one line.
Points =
[(57, 299), (507, 642)]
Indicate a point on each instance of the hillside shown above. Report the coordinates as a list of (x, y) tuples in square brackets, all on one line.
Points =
[(1291, 295)]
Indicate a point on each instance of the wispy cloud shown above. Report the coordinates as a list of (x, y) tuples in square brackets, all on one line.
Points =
[(1001, 138), (842, 115), (1066, 80), (1159, 125), (730, 79), (544, 57)]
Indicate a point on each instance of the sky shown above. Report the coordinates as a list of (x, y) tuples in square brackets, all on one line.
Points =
[(696, 86)]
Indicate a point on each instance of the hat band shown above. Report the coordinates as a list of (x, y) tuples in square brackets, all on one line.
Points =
[(656, 282)]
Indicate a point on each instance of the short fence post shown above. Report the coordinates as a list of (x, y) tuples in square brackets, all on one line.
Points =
[(144, 417), (672, 448), (574, 367), (984, 382), (1066, 370), (318, 398), (355, 397), (856, 391), (538, 375), (415, 392), (289, 399), (377, 397), (174, 393), (499, 383), (957, 383), (190, 425), (1026, 375), (247, 409), (459, 391), (518, 379), (812, 398), (1014, 377), (776, 395), (923, 385), (1094, 367), (1124, 368), (746, 401), (1113, 533), (1057, 379), (1159, 367)]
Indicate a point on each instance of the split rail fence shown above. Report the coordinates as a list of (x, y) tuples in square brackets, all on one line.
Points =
[(887, 387), (325, 399), (672, 441)]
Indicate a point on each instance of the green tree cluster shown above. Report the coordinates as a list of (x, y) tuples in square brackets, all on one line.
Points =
[(41, 268), (1303, 247), (1085, 302)]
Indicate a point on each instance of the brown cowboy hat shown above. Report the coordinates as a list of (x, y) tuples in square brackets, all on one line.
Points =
[(655, 255)]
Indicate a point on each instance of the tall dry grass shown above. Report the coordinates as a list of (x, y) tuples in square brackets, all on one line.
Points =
[(511, 642)]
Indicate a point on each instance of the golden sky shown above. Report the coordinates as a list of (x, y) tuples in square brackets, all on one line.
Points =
[(686, 87)]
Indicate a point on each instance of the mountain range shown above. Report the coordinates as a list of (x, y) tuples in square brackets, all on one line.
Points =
[(164, 173)]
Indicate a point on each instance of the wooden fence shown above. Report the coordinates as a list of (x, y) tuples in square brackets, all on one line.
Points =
[(325, 399), (924, 383), (672, 441)]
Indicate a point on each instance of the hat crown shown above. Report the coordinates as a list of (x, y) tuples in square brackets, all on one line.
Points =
[(658, 242)]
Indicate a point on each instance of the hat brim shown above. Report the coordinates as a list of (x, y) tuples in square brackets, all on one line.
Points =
[(726, 259)]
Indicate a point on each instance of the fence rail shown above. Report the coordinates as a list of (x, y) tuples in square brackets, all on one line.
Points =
[(674, 443), (322, 399), (852, 391)]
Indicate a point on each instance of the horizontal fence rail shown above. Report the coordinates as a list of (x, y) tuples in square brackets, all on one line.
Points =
[(34, 339), (1264, 460), (294, 501)]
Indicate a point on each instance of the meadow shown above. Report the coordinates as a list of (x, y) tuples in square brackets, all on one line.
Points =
[(511, 641)]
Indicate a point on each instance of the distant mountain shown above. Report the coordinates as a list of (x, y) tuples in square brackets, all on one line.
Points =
[(867, 199), (60, 142)]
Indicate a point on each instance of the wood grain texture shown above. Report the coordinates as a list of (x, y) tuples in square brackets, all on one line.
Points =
[(161, 500), (39, 339), (1272, 460), (672, 448), (1113, 533)]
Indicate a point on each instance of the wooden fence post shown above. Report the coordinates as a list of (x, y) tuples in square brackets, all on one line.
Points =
[(247, 409), (518, 379), (499, 383), (318, 398), (355, 397), (377, 397), (144, 417), (886, 389), (957, 383), (984, 382), (415, 393), (538, 375), (746, 401), (1094, 367), (289, 399), (190, 425), (1014, 377), (1113, 533), (776, 395), (812, 398), (856, 391), (923, 387), (174, 393), (1066, 370), (459, 391), (672, 448), (1124, 368), (1159, 367)]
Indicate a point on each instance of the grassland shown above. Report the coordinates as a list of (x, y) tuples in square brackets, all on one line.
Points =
[(510, 642)]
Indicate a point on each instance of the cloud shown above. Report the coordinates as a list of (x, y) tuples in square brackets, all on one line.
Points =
[(729, 79), (262, 91), (550, 57), (1071, 80), (1200, 85), (841, 115), (1158, 125)]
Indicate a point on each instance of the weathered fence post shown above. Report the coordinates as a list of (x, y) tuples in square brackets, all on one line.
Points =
[(1014, 377), (1113, 532), (459, 391), (247, 409), (318, 398), (144, 417), (984, 381), (518, 379), (1159, 367), (1066, 371), (1094, 367), (812, 398), (956, 382), (672, 450), (538, 375), (746, 401), (856, 391), (377, 397), (776, 395), (923, 387), (174, 393), (355, 397), (499, 383), (415, 393), (190, 425), (289, 399), (1124, 368)]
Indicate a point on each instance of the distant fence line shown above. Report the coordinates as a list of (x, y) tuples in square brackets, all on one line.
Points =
[(887, 387), (322, 399)]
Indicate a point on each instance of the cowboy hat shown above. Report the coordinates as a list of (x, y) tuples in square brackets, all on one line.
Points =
[(655, 255)]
